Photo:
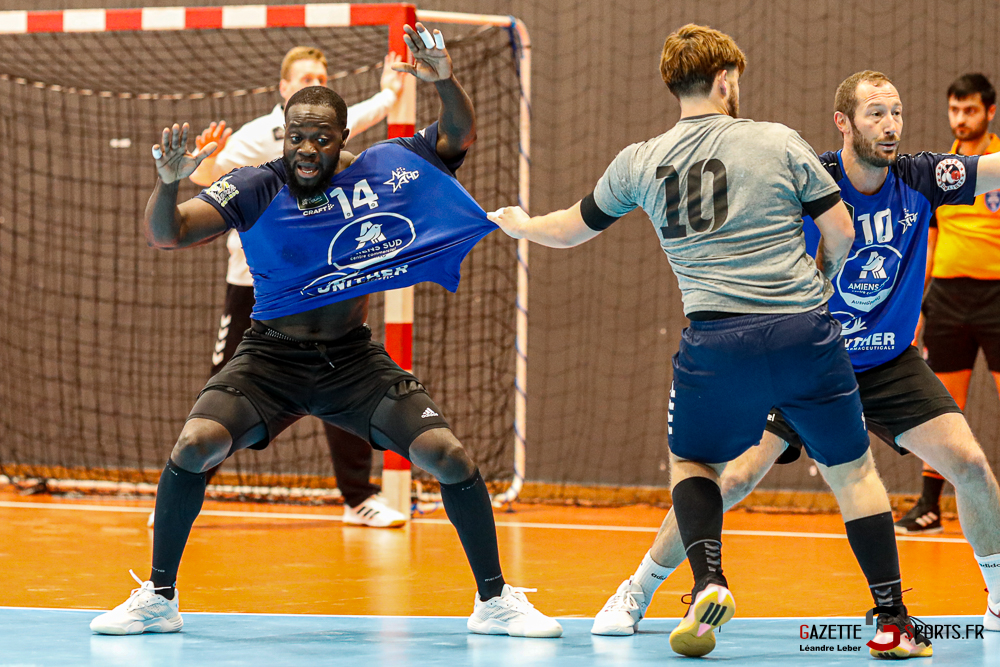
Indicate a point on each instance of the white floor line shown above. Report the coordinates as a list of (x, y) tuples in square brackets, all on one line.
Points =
[(503, 524), (574, 618)]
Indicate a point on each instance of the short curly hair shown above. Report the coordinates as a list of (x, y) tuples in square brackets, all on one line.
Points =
[(320, 96), (693, 55)]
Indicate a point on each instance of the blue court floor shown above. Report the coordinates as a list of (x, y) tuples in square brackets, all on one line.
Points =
[(42, 637)]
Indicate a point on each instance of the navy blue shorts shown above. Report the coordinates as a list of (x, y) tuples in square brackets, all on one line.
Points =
[(730, 373)]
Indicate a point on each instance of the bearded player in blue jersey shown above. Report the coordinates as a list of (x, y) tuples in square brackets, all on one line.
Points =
[(892, 199), (322, 229)]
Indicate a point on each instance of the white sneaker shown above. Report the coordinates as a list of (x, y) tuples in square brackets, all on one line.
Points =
[(622, 612), (991, 619), (144, 611), (373, 512), (512, 614)]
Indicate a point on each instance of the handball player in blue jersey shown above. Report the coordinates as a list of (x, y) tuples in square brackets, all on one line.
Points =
[(726, 196), (321, 230), (877, 296)]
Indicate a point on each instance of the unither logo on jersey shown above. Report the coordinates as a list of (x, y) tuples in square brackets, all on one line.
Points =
[(341, 280), (950, 174), (869, 276)]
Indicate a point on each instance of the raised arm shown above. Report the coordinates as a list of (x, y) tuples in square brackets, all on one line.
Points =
[(837, 229), (167, 225), (457, 120)]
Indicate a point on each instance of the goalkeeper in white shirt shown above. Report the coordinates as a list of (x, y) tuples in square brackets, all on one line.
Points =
[(255, 143)]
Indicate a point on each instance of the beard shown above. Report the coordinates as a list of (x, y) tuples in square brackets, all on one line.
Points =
[(868, 153), (971, 134), (302, 191), (732, 103)]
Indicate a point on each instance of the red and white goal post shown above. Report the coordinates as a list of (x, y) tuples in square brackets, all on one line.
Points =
[(402, 119)]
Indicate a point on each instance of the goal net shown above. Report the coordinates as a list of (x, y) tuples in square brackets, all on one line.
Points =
[(104, 342)]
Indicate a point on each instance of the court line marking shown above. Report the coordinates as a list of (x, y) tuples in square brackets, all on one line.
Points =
[(445, 522), (571, 618)]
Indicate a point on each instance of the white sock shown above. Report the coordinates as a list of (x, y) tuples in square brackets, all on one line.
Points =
[(650, 575), (990, 567)]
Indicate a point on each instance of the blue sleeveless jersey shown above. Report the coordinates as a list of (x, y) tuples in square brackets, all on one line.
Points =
[(395, 217), (878, 292)]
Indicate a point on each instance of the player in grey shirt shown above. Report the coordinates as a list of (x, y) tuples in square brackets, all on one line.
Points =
[(726, 197)]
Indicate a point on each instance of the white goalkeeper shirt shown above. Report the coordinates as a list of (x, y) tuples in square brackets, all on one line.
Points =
[(261, 140)]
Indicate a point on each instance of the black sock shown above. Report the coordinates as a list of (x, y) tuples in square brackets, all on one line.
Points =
[(698, 510), (933, 483), (470, 511), (874, 544), (178, 501)]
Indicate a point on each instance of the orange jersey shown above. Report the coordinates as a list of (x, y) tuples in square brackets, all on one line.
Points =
[(968, 243)]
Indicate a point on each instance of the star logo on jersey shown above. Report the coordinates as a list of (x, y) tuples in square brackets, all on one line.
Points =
[(401, 177), (908, 220), (370, 233), (950, 174)]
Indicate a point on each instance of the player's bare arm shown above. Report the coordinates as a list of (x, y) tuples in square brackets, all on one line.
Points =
[(559, 229), (988, 174), (457, 121), (837, 229), (167, 225)]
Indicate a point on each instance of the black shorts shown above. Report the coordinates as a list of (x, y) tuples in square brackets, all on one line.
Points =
[(898, 395), (730, 373), (961, 316), (351, 383), (234, 321)]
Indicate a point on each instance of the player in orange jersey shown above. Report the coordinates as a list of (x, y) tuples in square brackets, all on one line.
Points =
[(962, 305)]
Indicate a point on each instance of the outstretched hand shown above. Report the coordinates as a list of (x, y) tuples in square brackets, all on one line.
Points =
[(511, 219), (431, 60), (391, 79), (217, 132), (173, 162)]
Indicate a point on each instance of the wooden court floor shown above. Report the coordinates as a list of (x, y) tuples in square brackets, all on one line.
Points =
[(75, 554)]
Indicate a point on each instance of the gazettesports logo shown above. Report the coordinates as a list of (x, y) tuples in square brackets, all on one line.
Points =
[(849, 637), (950, 174)]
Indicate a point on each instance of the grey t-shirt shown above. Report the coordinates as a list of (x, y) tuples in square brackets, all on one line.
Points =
[(725, 196)]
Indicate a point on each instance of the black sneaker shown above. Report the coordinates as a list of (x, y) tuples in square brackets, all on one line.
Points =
[(906, 641), (922, 519)]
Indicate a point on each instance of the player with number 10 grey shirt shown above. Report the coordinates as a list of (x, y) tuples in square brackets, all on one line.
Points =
[(726, 197)]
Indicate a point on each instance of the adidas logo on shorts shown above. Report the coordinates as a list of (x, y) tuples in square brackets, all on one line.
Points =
[(428, 413)]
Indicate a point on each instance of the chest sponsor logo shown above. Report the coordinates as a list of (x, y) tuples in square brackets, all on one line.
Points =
[(313, 202), (992, 200), (359, 247), (222, 191), (868, 277), (401, 177), (950, 174)]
